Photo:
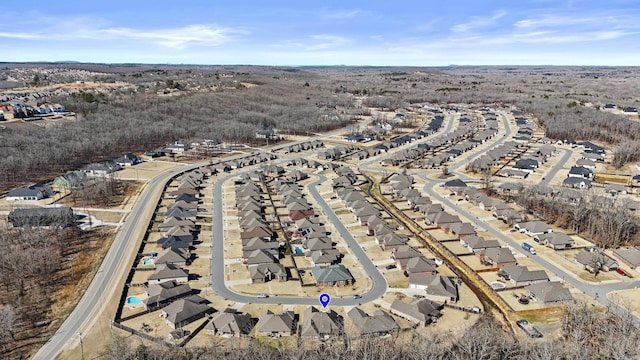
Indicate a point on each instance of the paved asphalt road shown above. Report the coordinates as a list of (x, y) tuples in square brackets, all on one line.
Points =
[(105, 283), (217, 259), (557, 167), (594, 290)]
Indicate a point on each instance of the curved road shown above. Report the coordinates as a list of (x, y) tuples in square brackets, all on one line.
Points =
[(116, 262), (379, 284)]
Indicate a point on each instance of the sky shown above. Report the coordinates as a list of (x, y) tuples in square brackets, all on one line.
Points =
[(373, 32)]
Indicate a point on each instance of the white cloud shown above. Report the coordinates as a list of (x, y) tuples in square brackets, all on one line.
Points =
[(178, 37), (478, 22)]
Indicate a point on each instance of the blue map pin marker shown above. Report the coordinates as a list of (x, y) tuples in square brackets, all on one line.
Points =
[(325, 299)]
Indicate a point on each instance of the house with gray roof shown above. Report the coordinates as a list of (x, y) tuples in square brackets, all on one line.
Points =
[(173, 256), (533, 228), (555, 240), (276, 325), (161, 294), (262, 273), (477, 244), (230, 323), (333, 275), (260, 256), (325, 257), (378, 324), (630, 257), (420, 265), (549, 293), (320, 325), (437, 287), (596, 261), (521, 275), (184, 311), (33, 192), (168, 272), (420, 311)]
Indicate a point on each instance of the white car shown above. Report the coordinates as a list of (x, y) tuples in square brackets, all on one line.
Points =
[(262, 296)]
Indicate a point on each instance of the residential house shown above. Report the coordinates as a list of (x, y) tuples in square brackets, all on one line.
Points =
[(521, 275), (555, 240), (230, 323), (581, 172), (500, 257), (596, 261), (128, 160), (527, 165), (174, 256), (378, 324), (420, 311), (462, 229), (168, 272), (533, 228), (101, 170), (437, 287), (70, 180), (262, 273), (333, 275), (477, 244), (630, 257), (320, 325), (420, 265), (33, 192), (403, 253), (576, 182), (549, 293), (185, 311), (276, 325), (260, 256), (163, 293)]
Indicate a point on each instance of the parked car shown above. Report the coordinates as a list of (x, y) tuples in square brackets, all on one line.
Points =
[(390, 267), (621, 272)]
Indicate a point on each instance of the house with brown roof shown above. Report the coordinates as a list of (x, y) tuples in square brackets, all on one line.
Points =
[(262, 232), (500, 257), (549, 293), (174, 256), (420, 265), (403, 253), (230, 323), (262, 273), (420, 311), (378, 324), (276, 325), (168, 272), (185, 311), (462, 229), (163, 293), (320, 325)]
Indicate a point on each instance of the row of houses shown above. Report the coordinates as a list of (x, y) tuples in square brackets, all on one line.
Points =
[(261, 250), (178, 231)]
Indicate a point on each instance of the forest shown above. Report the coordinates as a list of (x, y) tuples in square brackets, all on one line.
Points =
[(231, 103)]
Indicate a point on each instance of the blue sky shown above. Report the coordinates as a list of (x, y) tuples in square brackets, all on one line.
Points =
[(412, 33)]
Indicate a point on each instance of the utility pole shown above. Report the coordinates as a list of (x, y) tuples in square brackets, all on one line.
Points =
[(81, 346)]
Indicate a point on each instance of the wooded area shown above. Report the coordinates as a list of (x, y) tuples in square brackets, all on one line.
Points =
[(232, 103)]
